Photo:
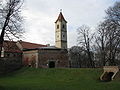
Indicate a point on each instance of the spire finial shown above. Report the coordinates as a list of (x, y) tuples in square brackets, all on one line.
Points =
[(60, 10)]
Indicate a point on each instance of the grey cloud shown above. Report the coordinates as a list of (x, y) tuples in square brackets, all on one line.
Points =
[(41, 15)]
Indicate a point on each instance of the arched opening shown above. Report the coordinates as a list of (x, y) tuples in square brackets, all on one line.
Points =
[(51, 64), (107, 76)]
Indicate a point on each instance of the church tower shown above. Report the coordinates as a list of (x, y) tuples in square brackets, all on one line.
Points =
[(61, 32)]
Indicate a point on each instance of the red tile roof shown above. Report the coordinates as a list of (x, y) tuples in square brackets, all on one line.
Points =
[(60, 18), (10, 46), (28, 45)]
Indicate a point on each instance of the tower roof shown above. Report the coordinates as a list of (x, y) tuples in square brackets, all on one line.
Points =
[(60, 18)]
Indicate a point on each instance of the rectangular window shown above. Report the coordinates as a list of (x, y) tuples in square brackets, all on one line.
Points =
[(63, 26), (57, 26)]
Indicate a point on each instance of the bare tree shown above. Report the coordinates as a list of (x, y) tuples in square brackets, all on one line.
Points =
[(10, 20), (84, 40), (108, 37), (75, 56), (78, 57), (108, 41), (113, 41), (100, 40), (113, 13)]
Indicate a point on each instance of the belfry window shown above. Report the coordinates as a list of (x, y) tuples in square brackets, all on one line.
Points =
[(63, 26), (57, 26)]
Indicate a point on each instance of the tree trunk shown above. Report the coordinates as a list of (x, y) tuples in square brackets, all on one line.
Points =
[(1, 40), (3, 31)]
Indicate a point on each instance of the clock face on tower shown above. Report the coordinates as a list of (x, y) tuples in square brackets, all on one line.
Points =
[(57, 36)]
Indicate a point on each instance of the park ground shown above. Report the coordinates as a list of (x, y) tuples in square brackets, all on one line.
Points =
[(56, 79)]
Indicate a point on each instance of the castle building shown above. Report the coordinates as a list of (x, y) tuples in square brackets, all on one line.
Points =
[(50, 56), (43, 56)]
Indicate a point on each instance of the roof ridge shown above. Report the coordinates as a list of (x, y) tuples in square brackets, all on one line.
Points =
[(9, 41), (31, 43)]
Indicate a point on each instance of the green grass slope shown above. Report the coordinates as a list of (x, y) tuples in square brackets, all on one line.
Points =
[(56, 79)]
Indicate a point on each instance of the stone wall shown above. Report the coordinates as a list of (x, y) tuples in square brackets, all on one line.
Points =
[(30, 58), (10, 64), (60, 57)]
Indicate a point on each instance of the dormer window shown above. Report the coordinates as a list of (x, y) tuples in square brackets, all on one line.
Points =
[(57, 26)]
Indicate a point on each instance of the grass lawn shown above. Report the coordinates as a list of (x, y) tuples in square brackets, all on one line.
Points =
[(56, 79)]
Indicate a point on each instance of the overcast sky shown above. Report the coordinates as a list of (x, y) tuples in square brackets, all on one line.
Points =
[(40, 16)]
